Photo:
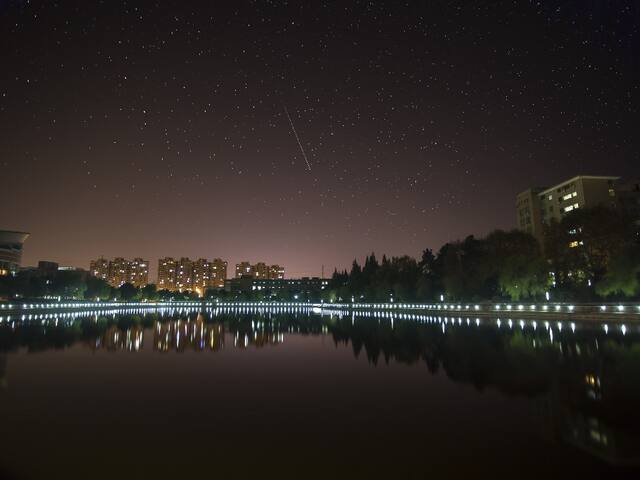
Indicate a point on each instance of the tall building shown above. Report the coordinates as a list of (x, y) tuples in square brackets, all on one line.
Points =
[(99, 268), (244, 269), (530, 212), (260, 270), (120, 270), (200, 274), (218, 273), (167, 274), (276, 272), (11, 251), (186, 274), (138, 272), (539, 206), (117, 272)]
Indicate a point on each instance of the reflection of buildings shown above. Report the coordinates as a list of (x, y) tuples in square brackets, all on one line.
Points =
[(11, 251), (583, 427), (185, 274), (115, 339), (181, 335), (259, 271), (198, 335), (120, 270), (580, 412), (257, 339)]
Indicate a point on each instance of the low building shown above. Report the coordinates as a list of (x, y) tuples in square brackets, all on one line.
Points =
[(259, 270), (304, 286), (47, 269), (11, 244), (539, 206)]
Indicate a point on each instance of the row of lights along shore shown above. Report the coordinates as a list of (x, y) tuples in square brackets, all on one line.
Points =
[(555, 308), (248, 308)]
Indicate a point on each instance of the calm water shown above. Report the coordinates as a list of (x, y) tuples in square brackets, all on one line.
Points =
[(302, 395)]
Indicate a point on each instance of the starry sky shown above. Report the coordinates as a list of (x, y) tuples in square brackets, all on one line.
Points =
[(181, 128)]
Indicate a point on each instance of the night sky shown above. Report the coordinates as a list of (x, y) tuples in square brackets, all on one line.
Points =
[(160, 128)]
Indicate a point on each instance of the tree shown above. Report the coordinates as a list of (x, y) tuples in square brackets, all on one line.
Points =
[(149, 292), (69, 284), (517, 264), (128, 292), (97, 288), (581, 245), (623, 275)]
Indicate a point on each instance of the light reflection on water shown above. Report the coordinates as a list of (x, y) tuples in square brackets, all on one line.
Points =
[(582, 380)]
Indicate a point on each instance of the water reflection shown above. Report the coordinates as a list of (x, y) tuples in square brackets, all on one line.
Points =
[(584, 379), (190, 333)]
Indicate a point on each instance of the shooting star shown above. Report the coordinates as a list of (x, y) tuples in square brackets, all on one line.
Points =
[(297, 138)]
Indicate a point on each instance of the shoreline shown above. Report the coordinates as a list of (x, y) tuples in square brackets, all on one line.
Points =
[(588, 312)]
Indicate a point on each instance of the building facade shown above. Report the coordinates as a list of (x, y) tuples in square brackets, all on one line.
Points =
[(100, 268), (276, 272), (539, 206), (244, 269), (295, 286), (11, 244), (259, 270), (167, 274), (186, 274), (120, 271)]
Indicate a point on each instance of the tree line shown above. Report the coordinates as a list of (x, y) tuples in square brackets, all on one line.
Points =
[(77, 284), (591, 254)]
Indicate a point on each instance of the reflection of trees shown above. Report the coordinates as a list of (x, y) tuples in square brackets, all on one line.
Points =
[(586, 382), (483, 358), (3, 372)]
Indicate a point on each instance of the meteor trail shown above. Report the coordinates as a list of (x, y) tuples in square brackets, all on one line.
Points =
[(297, 138)]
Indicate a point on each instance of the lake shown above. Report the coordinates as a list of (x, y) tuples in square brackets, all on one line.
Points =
[(303, 393)]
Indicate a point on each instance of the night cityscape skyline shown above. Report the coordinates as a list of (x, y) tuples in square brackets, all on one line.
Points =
[(329, 239), (146, 131)]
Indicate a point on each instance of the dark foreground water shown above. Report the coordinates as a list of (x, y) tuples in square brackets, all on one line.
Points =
[(237, 394)]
